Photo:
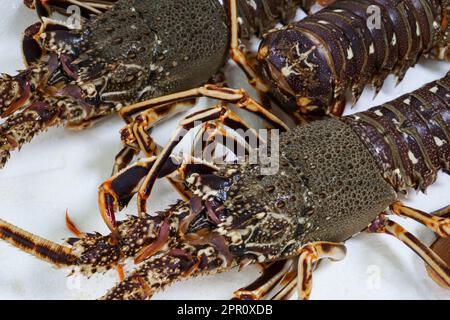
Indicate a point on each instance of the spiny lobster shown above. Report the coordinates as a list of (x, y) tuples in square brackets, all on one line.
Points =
[(74, 82), (126, 51), (337, 177), (309, 66)]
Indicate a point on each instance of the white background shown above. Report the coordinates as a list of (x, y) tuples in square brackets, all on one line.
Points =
[(61, 170)]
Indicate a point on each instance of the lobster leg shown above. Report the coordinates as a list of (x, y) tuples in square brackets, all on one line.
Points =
[(442, 212), (238, 97), (210, 135), (20, 128), (116, 192), (220, 113), (439, 225), (124, 158), (135, 136), (309, 255), (271, 277), (205, 141), (383, 225), (441, 246), (238, 56), (281, 273), (289, 283), (45, 8)]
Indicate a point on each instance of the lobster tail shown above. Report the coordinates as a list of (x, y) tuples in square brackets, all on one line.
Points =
[(409, 137), (53, 253), (311, 64)]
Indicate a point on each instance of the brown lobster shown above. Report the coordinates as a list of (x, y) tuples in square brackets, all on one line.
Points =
[(310, 65), (298, 65), (336, 178)]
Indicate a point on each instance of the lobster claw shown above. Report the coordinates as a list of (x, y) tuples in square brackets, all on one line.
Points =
[(442, 249)]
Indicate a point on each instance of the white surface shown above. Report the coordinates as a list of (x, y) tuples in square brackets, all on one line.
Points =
[(61, 170)]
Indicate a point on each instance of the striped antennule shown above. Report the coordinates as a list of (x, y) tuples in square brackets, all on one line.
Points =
[(410, 136), (57, 255)]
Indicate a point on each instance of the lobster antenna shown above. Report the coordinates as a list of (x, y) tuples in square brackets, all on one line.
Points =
[(53, 253)]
